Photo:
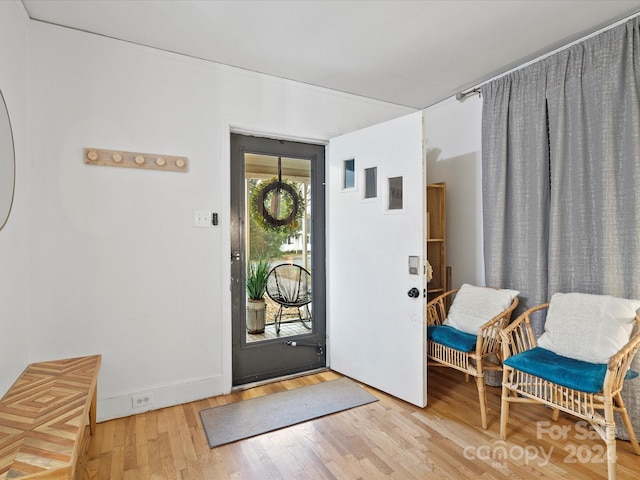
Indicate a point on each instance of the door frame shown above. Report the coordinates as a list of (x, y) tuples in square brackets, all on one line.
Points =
[(304, 362)]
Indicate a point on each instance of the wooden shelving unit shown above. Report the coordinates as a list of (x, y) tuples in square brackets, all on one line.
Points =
[(437, 238)]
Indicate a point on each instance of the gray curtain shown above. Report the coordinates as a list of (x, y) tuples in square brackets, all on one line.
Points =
[(594, 125), (581, 189), (515, 185)]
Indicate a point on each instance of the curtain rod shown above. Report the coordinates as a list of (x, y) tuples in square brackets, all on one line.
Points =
[(462, 96)]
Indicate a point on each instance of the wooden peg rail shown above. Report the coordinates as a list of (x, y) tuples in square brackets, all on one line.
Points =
[(150, 161)]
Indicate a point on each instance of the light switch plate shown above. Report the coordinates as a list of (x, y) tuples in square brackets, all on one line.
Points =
[(202, 219)]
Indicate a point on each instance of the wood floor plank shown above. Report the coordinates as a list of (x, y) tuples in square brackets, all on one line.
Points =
[(388, 439), (117, 463)]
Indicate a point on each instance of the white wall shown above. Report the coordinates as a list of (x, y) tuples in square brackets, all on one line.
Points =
[(14, 258), (453, 131), (117, 267)]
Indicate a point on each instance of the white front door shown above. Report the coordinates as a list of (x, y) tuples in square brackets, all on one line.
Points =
[(375, 222)]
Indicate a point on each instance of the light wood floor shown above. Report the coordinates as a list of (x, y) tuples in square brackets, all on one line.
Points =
[(384, 439)]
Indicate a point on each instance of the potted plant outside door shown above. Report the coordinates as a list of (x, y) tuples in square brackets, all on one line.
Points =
[(256, 287)]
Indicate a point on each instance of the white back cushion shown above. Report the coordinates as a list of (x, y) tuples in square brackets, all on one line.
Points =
[(586, 327), (475, 306)]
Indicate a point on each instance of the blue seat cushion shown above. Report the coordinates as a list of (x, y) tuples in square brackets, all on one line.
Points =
[(452, 338), (583, 376)]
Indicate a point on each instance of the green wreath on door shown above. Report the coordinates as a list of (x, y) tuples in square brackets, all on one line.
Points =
[(277, 205)]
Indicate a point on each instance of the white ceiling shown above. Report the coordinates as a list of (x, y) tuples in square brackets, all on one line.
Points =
[(413, 53)]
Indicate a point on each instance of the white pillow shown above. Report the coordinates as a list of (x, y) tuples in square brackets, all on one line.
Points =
[(475, 306), (586, 327)]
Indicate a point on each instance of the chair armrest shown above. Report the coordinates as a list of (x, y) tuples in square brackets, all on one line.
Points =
[(438, 308), (518, 337), (618, 364), (489, 333)]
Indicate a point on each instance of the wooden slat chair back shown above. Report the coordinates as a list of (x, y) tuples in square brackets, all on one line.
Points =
[(596, 407), (482, 353)]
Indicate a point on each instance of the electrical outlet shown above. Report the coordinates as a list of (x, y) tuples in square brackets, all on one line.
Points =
[(143, 400)]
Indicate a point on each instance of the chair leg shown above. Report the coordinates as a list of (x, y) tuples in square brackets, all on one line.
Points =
[(610, 438), (308, 318), (482, 395), (278, 320), (627, 423), (611, 452), (504, 406)]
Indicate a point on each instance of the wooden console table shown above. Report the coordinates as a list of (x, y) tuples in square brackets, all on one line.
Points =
[(43, 419)]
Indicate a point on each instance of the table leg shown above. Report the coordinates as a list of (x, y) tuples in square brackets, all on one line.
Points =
[(92, 412)]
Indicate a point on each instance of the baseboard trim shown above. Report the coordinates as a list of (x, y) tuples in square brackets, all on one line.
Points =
[(167, 396)]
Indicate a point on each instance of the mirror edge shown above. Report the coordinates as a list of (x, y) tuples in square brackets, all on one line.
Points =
[(13, 159)]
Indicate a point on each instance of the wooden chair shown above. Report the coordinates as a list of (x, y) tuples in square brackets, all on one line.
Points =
[(470, 353), (587, 390)]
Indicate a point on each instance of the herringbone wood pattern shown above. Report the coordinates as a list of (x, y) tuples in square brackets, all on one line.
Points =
[(43, 418)]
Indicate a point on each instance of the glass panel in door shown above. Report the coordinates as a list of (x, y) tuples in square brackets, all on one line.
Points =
[(279, 243)]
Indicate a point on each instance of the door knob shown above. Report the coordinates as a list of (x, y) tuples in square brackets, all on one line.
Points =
[(413, 293), (235, 255)]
